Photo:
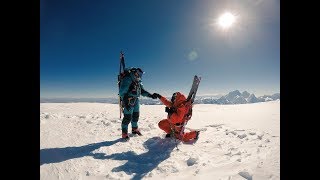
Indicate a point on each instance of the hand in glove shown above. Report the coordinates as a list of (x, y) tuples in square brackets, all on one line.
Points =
[(152, 96), (156, 95), (170, 110)]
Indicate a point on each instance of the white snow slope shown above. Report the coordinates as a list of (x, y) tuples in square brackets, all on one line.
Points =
[(82, 141)]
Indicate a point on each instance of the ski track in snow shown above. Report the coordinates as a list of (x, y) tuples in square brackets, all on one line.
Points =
[(82, 141)]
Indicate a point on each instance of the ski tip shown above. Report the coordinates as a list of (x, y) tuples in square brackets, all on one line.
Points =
[(197, 77)]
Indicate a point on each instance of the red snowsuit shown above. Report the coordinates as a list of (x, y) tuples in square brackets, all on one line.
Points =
[(177, 118)]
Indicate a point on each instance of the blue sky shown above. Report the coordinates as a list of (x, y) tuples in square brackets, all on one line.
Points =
[(171, 40)]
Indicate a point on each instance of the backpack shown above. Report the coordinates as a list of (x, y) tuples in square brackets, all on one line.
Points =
[(122, 75)]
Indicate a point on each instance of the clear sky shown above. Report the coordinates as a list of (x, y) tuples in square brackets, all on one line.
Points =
[(171, 40)]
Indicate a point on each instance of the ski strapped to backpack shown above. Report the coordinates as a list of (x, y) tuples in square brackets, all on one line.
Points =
[(120, 77), (125, 72)]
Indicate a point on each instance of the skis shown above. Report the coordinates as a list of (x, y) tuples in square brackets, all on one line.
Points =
[(190, 99), (194, 88), (122, 66)]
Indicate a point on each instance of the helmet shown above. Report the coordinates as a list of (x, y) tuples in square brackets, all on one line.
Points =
[(137, 71)]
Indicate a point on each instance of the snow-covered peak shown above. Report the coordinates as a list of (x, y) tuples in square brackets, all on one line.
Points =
[(245, 94), (223, 100), (275, 96), (252, 99), (239, 100), (231, 96)]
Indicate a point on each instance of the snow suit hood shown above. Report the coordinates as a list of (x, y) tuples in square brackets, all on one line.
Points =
[(179, 99)]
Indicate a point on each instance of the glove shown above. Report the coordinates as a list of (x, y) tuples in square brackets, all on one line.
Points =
[(152, 96), (170, 110), (156, 95)]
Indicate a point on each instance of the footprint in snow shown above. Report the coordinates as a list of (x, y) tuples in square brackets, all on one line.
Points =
[(89, 122), (241, 136), (245, 175), (238, 153), (233, 132), (151, 126), (215, 125), (106, 123), (115, 120), (191, 161), (233, 149), (260, 136)]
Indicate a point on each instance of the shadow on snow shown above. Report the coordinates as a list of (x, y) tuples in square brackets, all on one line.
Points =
[(158, 150), (56, 155)]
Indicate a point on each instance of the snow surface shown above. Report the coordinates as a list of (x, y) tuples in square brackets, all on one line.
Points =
[(81, 141)]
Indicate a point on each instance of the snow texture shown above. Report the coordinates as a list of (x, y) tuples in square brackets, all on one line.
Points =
[(82, 141)]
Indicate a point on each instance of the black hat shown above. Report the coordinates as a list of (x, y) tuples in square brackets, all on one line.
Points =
[(174, 95)]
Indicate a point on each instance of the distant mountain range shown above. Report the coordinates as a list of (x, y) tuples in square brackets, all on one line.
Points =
[(233, 97), (236, 97)]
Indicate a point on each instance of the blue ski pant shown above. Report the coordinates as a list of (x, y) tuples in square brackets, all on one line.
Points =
[(131, 114)]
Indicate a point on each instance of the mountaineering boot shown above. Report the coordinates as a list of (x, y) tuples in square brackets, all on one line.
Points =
[(125, 136), (136, 131)]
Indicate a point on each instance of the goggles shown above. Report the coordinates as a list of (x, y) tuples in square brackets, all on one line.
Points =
[(138, 72)]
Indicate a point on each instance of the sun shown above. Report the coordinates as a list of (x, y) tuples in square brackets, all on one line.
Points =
[(226, 20)]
